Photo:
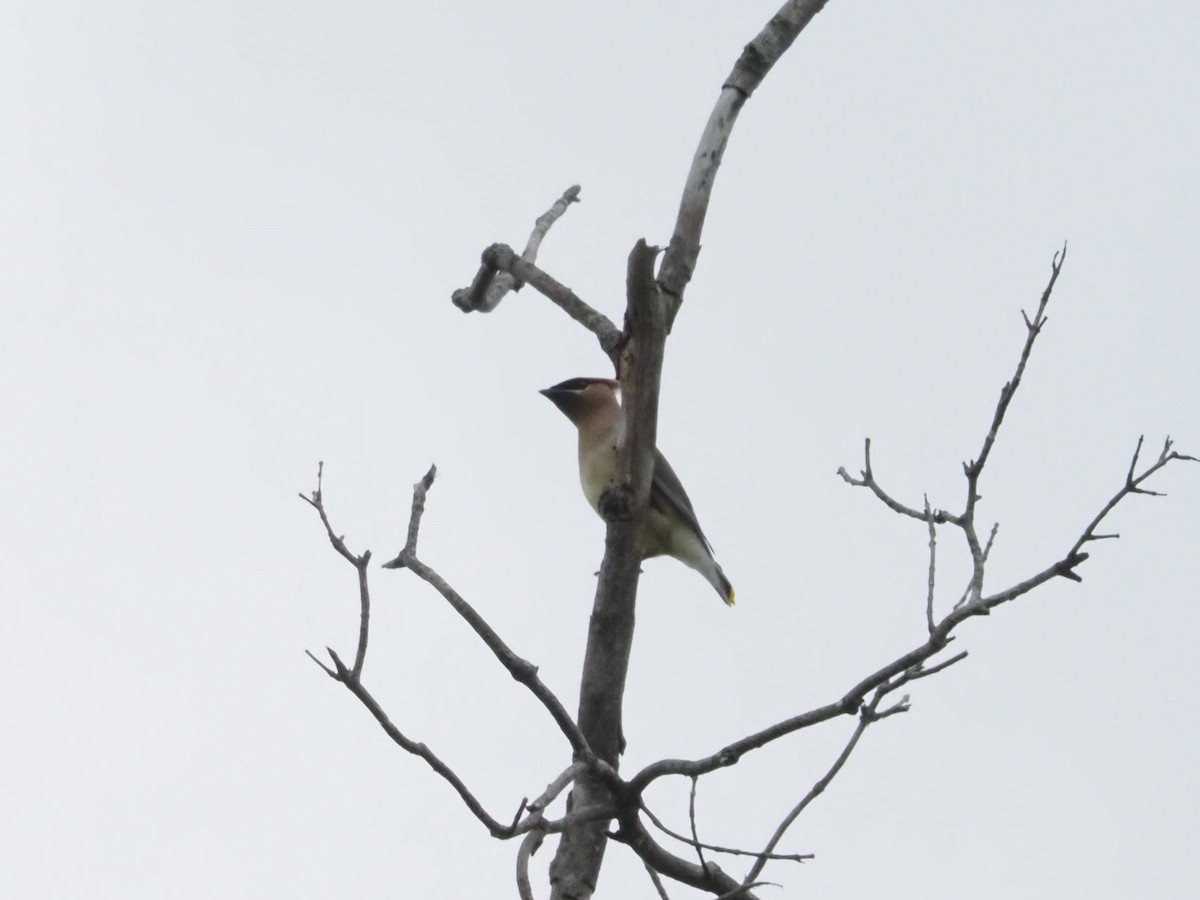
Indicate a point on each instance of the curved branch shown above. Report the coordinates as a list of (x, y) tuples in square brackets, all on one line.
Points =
[(529, 846), (757, 59), (867, 480), (709, 877), (501, 258), (489, 287)]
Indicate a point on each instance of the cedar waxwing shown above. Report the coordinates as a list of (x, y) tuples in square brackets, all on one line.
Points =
[(593, 405)]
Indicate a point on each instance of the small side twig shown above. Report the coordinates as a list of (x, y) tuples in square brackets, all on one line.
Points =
[(490, 287), (360, 563), (417, 511), (692, 821), (717, 848), (866, 717), (500, 258), (344, 675), (932, 566), (1033, 328), (520, 669), (658, 885), (867, 479), (1074, 557), (1133, 485), (708, 878)]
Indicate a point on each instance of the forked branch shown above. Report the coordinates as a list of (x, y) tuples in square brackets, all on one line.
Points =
[(916, 663), (490, 285), (520, 669)]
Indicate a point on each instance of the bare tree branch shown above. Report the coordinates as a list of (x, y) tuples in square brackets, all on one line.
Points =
[(317, 502), (732, 753), (1066, 566), (610, 631), (974, 469), (867, 480), (932, 566), (500, 258), (420, 492), (1133, 485), (556, 787), (352, 683), (490, 286), (717, 848), (520, 669), (864, 720), (598, 794), (1033, 328), (528, 847), (709, 878), (939, 637), (757, 59), (692, 821), (658, 885)]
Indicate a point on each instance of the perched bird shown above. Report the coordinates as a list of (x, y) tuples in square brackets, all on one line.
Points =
[(594, 406)]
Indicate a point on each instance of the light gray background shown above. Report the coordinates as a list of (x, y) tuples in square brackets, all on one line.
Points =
[(228, 235)]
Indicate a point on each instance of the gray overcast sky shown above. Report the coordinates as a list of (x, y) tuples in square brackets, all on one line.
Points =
[(228, 235)]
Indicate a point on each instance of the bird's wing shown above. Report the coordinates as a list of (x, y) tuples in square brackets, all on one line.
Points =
[(666, 485)]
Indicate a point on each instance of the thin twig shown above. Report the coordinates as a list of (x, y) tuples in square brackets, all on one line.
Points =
[(1133, 485), (658, 885), (867, 480), (864, 720), (974, 469), (717, 848), (972, 599), (500, 258), (356, 687), (709, 878), (911, 662), (520, 669), (1032, 330), (692, 821), (921, 671), (932, 566), (1065, 567), (360, 563), (420, 492), (490, 286)]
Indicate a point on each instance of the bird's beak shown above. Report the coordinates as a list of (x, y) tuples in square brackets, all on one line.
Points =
[(563, 400)]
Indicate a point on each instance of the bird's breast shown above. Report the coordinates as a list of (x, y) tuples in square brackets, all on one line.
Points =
[(597, 463)]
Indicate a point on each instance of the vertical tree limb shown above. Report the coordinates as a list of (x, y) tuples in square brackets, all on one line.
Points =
[(576, 866)]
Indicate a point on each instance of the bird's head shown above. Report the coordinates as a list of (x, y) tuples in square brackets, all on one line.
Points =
[(578, 398)]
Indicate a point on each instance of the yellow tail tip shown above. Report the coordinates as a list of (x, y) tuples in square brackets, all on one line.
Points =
[(730, 599)]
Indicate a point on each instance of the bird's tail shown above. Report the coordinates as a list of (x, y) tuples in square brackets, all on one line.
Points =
[(724, 588)]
